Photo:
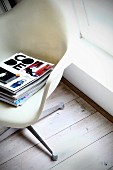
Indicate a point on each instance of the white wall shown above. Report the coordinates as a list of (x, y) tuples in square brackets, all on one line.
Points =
[(92, 68), (95, 18)]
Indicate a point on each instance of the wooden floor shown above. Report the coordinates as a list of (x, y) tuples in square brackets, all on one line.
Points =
[(81, 136)]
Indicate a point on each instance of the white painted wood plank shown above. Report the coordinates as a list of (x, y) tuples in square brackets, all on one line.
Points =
[(23, 140), (3, 129), (98, 156), (68, 142)]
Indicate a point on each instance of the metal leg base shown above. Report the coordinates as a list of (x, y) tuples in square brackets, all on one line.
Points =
[(47, 112), (53, 157)]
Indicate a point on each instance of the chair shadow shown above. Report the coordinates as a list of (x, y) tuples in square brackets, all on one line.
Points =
[(11, 132)]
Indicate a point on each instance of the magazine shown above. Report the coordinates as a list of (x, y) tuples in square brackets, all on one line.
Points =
[(21, 76), (21, 70), (23, 91), (22, 99)]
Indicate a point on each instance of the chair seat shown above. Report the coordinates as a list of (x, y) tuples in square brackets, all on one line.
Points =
[(20, 116)]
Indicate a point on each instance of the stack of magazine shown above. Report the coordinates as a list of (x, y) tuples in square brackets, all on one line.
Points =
[(21, 76)]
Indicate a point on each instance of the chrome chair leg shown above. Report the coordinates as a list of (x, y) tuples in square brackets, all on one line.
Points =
[(53, 157)]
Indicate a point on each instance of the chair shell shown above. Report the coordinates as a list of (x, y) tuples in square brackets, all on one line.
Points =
[(36, 28)]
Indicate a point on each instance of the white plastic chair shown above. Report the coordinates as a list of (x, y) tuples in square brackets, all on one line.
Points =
[(36, 28)]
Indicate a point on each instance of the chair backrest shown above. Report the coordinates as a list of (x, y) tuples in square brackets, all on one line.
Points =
[(35, 28)]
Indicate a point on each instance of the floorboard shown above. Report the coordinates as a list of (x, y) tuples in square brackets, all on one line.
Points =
[(97, 156), (74, 111), (66, 143), (72, 133)]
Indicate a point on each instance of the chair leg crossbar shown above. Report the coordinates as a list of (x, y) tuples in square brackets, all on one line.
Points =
[(51, 110), (53, 157)]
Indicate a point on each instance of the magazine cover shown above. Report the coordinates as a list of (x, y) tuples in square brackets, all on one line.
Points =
[(21, 70)]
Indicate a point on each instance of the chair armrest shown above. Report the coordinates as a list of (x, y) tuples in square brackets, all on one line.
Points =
[(55, 78)]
